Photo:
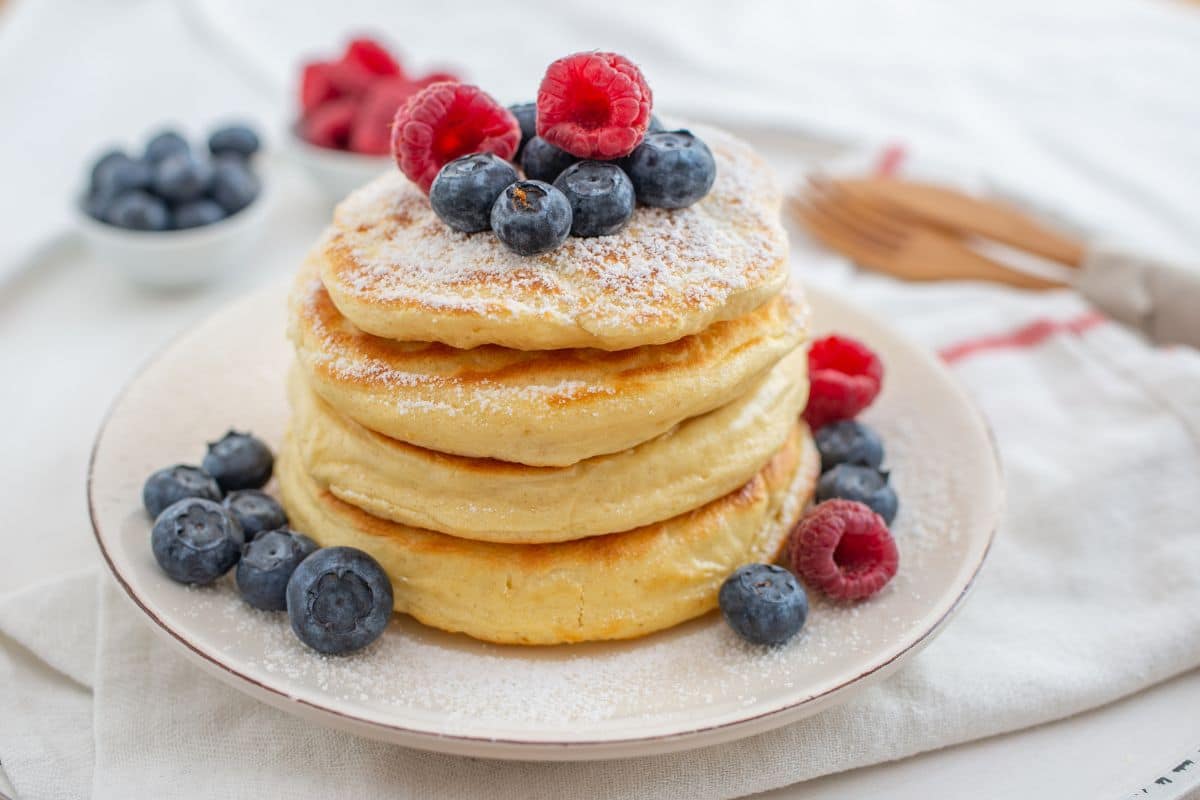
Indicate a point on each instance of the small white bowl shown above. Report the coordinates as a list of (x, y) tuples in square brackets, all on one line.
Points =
[(177, 259), (336, 172)]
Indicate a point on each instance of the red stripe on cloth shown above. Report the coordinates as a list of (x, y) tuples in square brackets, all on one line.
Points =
[(1028, 336), (890, 160)]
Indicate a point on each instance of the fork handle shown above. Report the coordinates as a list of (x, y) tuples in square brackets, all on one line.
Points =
[(1156, 297)]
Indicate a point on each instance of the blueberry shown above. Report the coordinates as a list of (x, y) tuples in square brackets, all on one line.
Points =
[(671, 169), (531, 217), (182, 177), (849, 442), (268, 561), (656, 125), (763, 603), (164, 145), (172, 484), (526, 114), (465, 190), (240, 140), (255, 511), (239, 461), (196, 541), (234, 186), (198, 213), (543, 161), (116, 173), (863, 484), (338, 600), (138, 211), (601, 197)]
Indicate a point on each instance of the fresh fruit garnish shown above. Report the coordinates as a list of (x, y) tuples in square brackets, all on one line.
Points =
[(267, 563), (601, 197), (255, 511), (593, 105), (339, 600), (169, 485), (239, 461), (844, 378), (526, 114), (862, 484), (531, 217), (372, 57), (844, 549), (465, 190), (447, 120), (196, 541), (237, 140), (848, 442), (671, 169), (542, 161), (763, 603)]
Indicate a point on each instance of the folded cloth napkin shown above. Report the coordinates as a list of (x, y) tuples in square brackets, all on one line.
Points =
[(1090, 594)]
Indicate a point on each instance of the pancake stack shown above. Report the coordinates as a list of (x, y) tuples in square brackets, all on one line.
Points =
[(575, 446)]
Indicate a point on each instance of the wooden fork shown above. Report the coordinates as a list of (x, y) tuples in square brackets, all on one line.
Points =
[(881, 241)]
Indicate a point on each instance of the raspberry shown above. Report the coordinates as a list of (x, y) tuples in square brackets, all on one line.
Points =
[(843, 549), (329, 125), (594, 105), (447, 120), (372, 133), (844, 377), (323, 81), (372, 57)]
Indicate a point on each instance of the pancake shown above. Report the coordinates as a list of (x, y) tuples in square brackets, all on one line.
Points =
[(548, 408), (617, 586), (397, 271), (700, 460)]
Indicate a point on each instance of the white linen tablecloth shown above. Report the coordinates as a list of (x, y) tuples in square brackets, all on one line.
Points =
[(1091, 592)]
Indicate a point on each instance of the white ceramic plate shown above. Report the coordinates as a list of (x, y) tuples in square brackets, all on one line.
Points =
[(694, 685)]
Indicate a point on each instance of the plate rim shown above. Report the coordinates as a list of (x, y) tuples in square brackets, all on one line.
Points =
[(510, 748)]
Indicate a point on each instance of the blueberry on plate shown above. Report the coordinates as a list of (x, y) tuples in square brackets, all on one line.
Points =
[(233, 186), (182, 177), (164, 145), (198, 213), (239, 461), (864, 484), (196, 541), (465, 190), (255, 511), (267, 563), (542, 161), (339, 600), (763, 603), (671, 169), (848, 442), (138, 211), (601, 197), (239, 140), (526, 114), (531, 217), (169, 485)]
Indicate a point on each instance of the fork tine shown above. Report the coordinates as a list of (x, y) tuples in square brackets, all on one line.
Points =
[(834, 235), (868, 220)]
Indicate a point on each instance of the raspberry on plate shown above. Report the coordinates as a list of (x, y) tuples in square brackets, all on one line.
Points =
[(447, 120), (843, 549), (844, 378), (594, 105)]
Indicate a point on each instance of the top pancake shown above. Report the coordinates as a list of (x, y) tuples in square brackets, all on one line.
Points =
[(397, 271)]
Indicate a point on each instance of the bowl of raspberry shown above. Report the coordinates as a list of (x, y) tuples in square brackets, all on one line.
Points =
[(343, 134)]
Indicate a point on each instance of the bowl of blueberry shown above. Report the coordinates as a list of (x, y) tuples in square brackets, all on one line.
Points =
[(175, 214), (343, 135)]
